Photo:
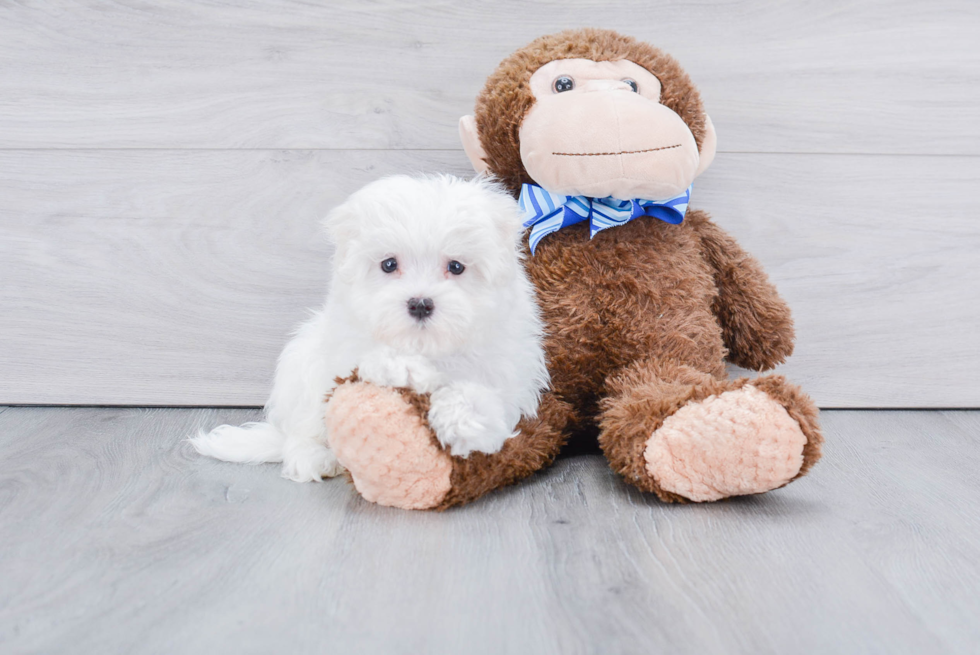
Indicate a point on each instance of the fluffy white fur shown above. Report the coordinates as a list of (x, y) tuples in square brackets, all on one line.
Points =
[(479, 353)]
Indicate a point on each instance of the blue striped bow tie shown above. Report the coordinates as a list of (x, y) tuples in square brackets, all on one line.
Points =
[(546, 212)]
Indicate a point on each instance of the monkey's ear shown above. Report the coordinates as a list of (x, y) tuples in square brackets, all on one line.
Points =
[(709, 144), (471, 144)]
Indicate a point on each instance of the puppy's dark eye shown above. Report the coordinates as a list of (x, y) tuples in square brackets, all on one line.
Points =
[(563, 83), (455, 268), (633, 85), (389, 265)]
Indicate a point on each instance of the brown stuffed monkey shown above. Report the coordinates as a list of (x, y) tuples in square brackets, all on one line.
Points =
[(600, 136)]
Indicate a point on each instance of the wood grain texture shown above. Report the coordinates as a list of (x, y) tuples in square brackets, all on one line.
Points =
[(835, 76), (173, 278), (115, 537)]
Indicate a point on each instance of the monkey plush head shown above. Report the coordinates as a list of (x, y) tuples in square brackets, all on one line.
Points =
[(594, 113)]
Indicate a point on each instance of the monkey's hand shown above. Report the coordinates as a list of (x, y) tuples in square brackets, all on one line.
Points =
[(756, 323)]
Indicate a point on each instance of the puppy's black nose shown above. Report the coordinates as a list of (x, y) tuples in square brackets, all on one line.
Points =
[(420, 307)]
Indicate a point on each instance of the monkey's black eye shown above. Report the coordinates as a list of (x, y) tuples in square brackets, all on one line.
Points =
[(455, 268), (563, 83), (633, 85), (389, 265)]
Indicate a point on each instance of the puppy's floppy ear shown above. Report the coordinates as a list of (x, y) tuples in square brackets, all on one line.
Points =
[(508, 220), (505, 215), (342, 226), (500, 209)]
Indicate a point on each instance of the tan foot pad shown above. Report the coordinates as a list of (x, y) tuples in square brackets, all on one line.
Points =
[(741, 442), (387, 448)]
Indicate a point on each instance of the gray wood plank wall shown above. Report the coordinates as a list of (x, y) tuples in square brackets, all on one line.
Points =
[(163, 168)]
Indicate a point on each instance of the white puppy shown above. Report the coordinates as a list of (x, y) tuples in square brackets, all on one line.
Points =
[(427, 292)]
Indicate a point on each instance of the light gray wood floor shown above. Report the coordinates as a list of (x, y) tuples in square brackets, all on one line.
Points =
[(115, 537)]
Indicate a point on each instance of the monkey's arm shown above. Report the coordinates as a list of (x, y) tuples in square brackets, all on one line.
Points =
[(756, 324)]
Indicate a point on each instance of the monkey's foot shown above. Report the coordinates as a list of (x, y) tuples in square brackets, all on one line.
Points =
[(380, 437), (743, 441)]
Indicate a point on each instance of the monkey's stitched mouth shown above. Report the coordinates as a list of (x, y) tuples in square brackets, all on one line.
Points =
[(621, 152)]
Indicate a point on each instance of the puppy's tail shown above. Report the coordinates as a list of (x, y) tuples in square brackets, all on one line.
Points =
[(252, 443)]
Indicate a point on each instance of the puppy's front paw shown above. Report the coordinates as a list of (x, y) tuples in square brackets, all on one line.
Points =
[(390, 369), (468, 417)]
